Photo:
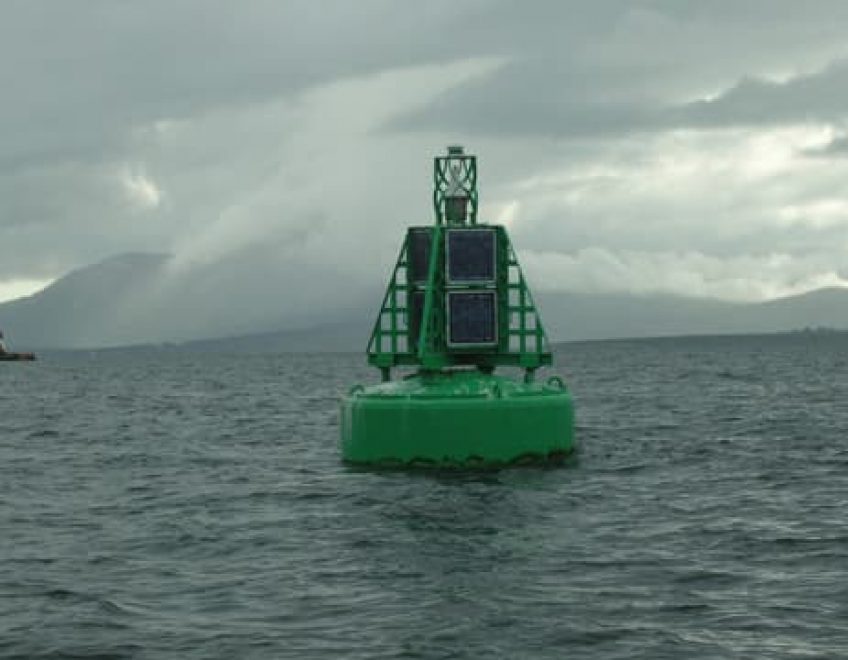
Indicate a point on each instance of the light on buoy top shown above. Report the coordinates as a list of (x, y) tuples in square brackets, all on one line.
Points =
[(456, 195)]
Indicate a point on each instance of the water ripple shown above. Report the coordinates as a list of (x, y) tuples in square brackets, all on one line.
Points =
[(193, 506)]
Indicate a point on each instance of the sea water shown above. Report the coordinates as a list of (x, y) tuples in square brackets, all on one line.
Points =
[(178, 505)]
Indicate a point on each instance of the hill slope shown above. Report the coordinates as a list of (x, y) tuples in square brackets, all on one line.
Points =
[(142, 299), (81, 306), (576, 316)]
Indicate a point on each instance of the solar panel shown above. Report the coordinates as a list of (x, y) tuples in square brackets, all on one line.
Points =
[(471, 256), (472, 319), (419, 254)]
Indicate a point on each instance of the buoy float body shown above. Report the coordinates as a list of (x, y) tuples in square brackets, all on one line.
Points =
[(457, 307)]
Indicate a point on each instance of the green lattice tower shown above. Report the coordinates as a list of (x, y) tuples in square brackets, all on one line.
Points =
[(414, 327)]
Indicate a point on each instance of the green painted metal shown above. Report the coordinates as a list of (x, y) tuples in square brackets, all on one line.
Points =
[(454, 410), (522, 340), (457, 417)]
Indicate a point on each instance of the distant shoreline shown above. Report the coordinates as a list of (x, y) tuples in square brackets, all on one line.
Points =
[(805, 332), (242, 344)]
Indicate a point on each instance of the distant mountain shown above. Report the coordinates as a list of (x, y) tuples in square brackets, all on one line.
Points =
[(136, 299), (575, 317), (80, 306), (580, 316), (144, 299), (824, 308), (339, 338)]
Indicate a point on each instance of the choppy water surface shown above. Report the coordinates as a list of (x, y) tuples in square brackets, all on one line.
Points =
[(193, 506)]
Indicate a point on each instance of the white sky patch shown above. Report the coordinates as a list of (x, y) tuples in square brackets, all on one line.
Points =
[(140, 189), (501, 214), (699, 160), (680, 162), (768, 153), (20, 288), (735, 214), (329, 179), (819, 214)]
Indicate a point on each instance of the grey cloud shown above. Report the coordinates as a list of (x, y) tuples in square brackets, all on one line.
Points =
[(836, 148), (77, 76), (54, 218), (532, 97), (85, 85), (540, 97), (819, 97), (637, 68), (213, 104)]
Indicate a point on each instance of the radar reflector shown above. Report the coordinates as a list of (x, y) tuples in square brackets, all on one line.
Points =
[(419, 254), (416, 313)]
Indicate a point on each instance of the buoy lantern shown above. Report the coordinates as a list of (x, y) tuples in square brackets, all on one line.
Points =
[(456, 308)]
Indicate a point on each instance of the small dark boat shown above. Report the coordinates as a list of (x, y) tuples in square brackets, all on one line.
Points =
[(17, 357)]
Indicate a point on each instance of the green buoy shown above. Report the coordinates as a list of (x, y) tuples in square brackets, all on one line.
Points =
[(456, 308)]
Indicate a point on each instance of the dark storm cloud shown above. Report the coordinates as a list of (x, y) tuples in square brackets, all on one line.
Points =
[(818, 97), (534, 97), (632, 66), (540, 97), (582, 107), (78, 76), (85, 85)]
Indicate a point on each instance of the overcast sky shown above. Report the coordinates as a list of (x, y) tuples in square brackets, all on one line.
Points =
[(694, 147)]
